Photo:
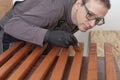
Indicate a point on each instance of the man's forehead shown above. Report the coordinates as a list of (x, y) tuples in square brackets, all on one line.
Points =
[(98, 9)]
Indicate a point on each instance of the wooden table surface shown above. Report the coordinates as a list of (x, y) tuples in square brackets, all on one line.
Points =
[(83, 70)]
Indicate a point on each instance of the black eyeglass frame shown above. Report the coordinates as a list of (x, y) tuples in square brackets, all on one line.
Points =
[(97, 19)]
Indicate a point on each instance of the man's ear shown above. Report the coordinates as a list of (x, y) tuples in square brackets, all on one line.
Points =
[(78, 4), (80, 1)]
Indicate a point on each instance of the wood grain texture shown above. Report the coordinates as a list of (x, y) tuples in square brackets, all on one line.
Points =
[(110, 72), (9, 53), (58, 71), (9, 65), (74, 73), (92, 69), (44, 66), (27, 64)]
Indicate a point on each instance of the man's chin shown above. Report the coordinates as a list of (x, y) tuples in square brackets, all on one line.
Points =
[(83, 30)]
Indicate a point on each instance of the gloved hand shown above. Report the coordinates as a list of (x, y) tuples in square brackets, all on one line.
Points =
[(60, 38)]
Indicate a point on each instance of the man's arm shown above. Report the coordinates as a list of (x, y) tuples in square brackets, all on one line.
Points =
[(22, 30)]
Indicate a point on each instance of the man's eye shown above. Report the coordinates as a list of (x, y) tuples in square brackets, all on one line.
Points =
[(90, 16)]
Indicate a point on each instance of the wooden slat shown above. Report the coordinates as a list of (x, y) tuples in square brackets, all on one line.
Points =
[(9, 53), (42, 69), (25, 67), (60, 65), (76, 64), (110, 72), (92, 70), (9, 65)]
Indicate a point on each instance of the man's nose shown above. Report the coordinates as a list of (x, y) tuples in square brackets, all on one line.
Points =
[(92, 23)]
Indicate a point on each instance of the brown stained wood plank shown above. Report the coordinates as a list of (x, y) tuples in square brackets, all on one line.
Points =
[(42, 69), (9, 65), (60, 65), (92, 70), (110, 71), (25, 67), (9, 52), (76, 64)]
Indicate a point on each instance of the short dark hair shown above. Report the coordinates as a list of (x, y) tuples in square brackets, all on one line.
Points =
[(105, 2)]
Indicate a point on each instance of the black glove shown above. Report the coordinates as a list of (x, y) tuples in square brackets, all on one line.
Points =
[(60, 38)]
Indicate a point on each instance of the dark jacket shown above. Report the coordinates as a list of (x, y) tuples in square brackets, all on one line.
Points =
[(32, 19)]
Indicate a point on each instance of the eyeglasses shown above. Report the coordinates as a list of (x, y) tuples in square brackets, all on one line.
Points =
[(91, 16)]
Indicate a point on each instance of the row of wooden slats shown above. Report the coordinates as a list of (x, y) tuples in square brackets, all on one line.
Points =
[(13, 58), (92, 68), (41, 71), (10, 52), (13, 61), (27, 65)]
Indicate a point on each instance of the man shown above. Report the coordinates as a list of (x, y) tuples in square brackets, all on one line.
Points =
[(55, 21)]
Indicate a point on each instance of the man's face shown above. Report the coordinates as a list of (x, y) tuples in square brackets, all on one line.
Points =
[(90, 14)]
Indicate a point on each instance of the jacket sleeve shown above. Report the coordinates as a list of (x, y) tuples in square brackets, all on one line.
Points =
[(19, 28), (30, 23)]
